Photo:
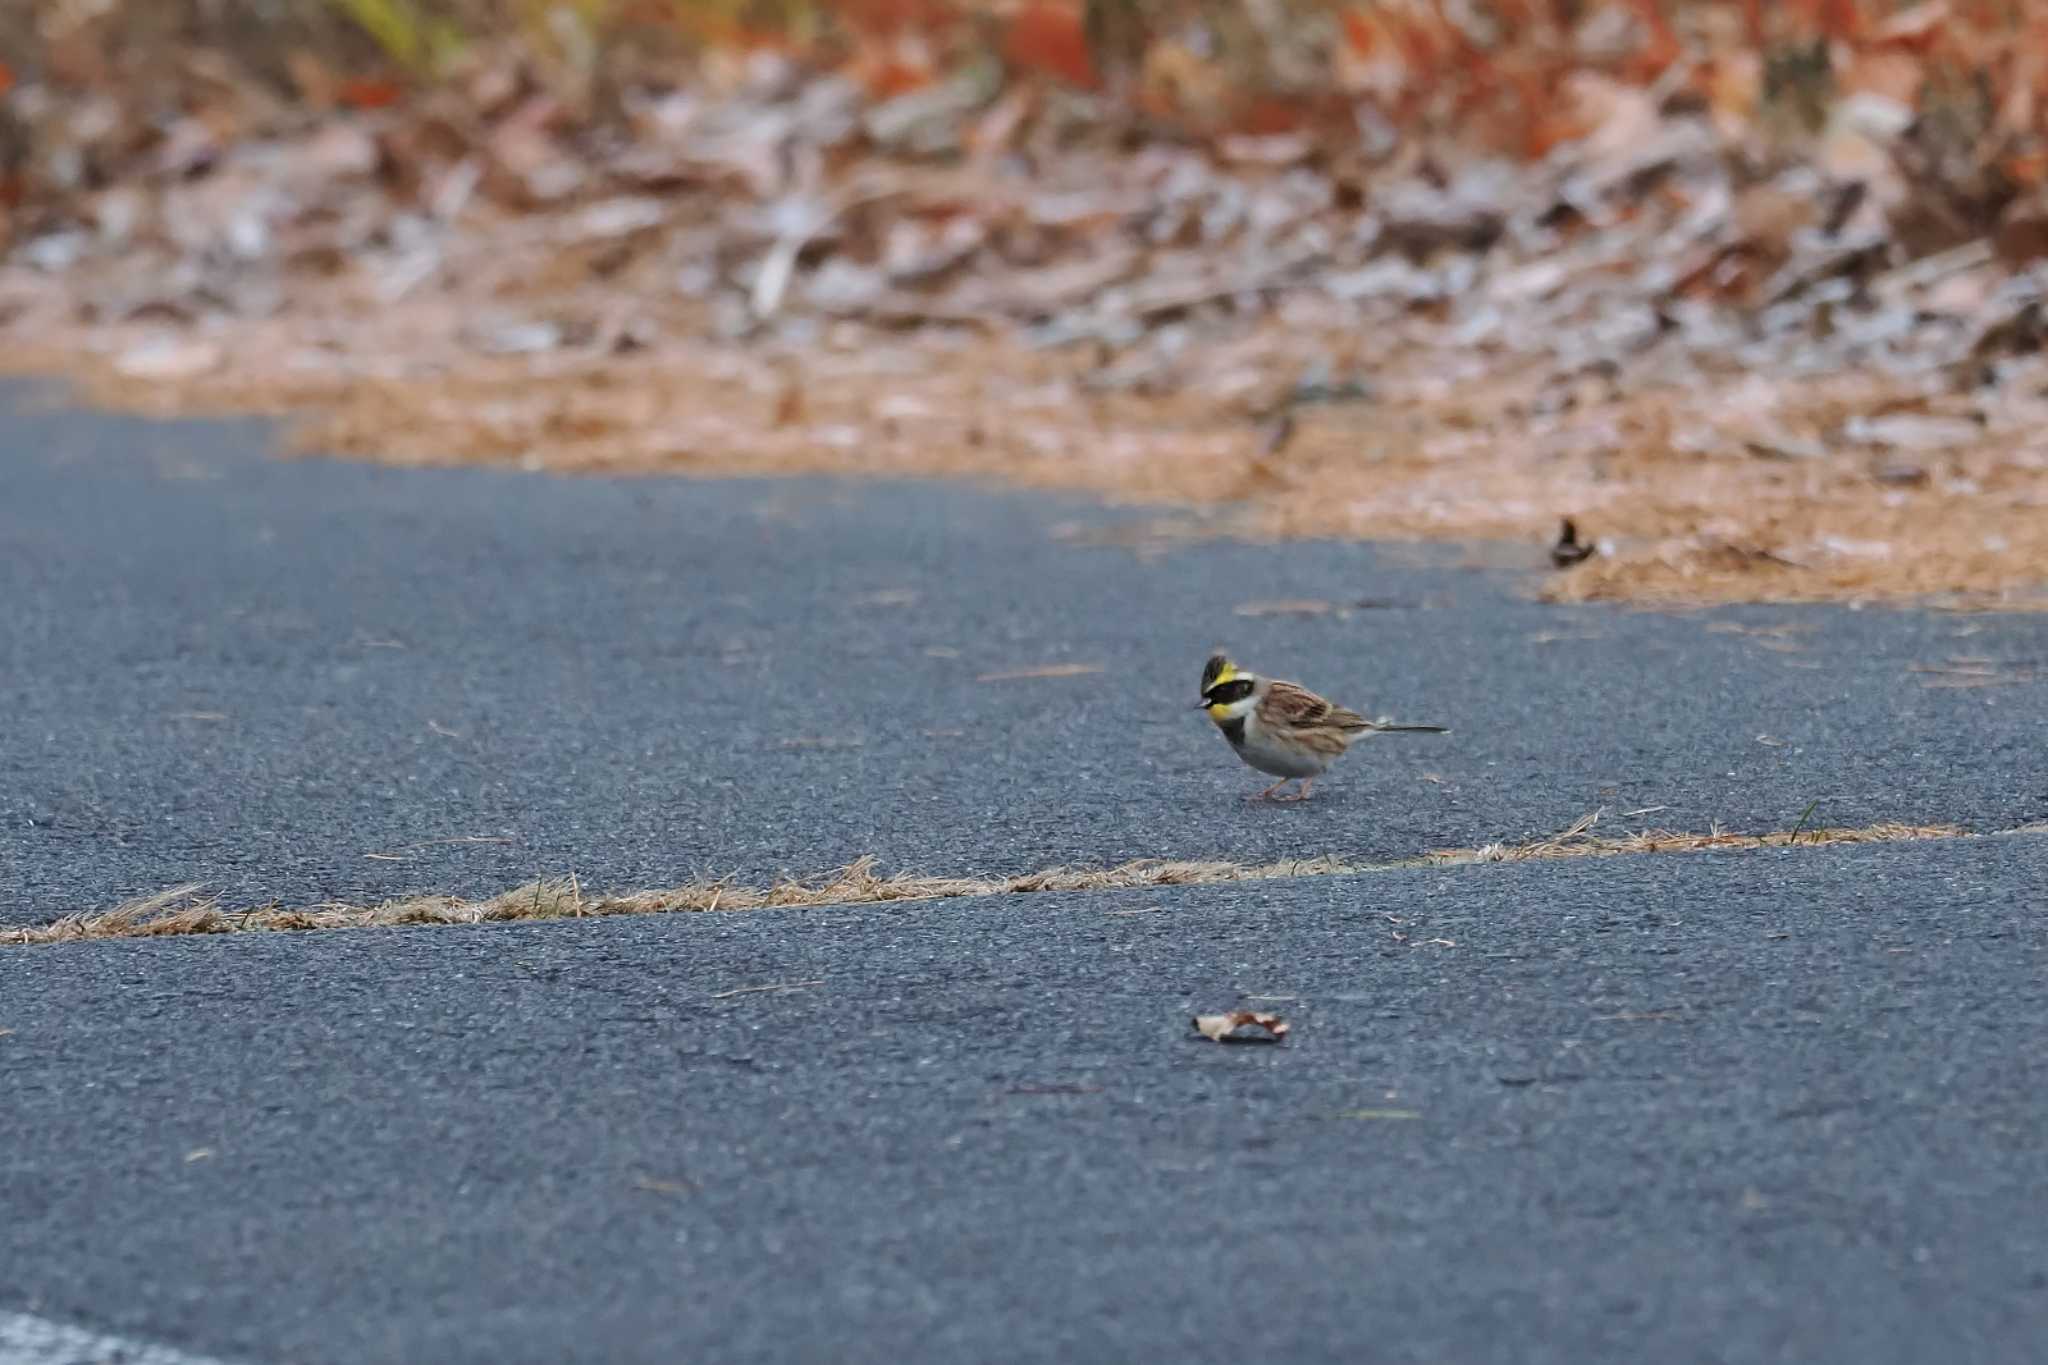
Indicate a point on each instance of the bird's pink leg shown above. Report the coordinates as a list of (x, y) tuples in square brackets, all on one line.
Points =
[(1267, 794), (1301, 792)]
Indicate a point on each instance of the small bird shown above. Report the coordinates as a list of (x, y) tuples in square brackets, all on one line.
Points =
[(1282, 728)]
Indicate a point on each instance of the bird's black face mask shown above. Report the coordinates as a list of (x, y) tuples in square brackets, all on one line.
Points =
[(1223, 694)]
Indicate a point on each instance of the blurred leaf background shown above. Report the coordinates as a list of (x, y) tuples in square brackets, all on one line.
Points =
[(1755, 289), (1272, 61)]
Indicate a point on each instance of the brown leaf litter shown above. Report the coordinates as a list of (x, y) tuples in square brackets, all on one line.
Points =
[(1746, 365), (187, 910)]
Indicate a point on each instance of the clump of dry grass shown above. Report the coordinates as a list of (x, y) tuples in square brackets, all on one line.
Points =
[(186, 910), (1579, 841)]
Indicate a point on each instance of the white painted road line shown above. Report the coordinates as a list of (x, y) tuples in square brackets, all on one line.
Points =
[(25, 1340)]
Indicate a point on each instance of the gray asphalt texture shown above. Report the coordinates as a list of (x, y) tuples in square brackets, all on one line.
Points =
[(1767, 1106), (313, 680)]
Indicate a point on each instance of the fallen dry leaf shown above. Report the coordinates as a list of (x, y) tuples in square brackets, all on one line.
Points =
[(1221, 1027), (1306, 606), (1043, 671)]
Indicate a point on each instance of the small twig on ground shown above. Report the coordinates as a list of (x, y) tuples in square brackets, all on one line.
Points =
[(775, 987)]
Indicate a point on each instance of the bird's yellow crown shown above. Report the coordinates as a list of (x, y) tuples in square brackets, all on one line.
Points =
[(1220, 699)]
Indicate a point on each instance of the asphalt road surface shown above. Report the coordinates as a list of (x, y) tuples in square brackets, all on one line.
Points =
[(311, 680), (1771, 1106), (1732, 1108)]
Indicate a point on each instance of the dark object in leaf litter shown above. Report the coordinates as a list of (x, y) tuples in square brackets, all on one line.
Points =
[(1568, 550)]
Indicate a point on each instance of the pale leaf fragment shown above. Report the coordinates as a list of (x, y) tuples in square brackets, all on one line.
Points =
[(1218, 1027), (168, 358), (1043, 671), (1307, 606)]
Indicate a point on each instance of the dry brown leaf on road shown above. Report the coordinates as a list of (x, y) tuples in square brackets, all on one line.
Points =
[(1042, 671), (1223, 1027)]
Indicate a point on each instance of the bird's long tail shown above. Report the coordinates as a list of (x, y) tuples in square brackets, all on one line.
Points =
[(1412, 729)]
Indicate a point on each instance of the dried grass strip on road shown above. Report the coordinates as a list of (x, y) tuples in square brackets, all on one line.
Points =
[(187, 910)]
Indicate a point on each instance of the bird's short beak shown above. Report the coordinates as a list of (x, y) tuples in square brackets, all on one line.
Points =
[(1202, 705)]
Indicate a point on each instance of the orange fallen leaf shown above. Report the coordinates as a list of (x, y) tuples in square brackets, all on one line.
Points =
[(1044, 671), (368, 92), (885, 76), (1221, 1026), (1048, 36)]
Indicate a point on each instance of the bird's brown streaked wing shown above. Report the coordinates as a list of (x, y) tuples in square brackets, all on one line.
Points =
[(1296, 708), (1327, 740)]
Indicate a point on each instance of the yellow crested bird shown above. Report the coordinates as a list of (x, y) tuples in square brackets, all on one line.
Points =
[(1282, 728)]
